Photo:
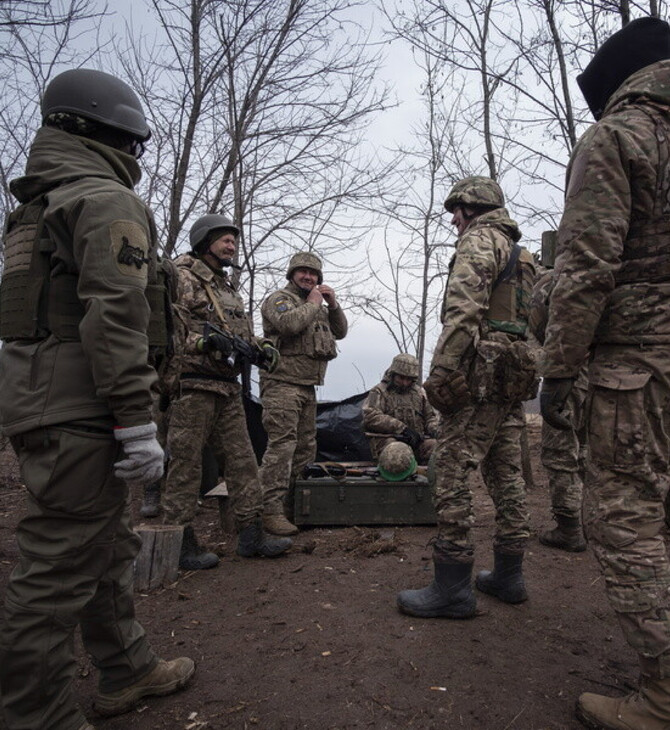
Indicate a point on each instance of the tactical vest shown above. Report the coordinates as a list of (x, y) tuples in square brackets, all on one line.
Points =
[(38, 300), (315, 341), (509, 305)]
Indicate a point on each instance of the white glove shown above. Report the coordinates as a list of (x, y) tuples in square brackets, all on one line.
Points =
[(144, 463)]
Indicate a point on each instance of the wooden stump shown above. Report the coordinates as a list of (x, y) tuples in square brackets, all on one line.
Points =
[(226, 517), (157, 562)]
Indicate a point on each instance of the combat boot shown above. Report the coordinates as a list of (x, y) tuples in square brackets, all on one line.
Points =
[(192, 556), (646, 709), (253, 542), (151, 500), (567, 535), (450, 594), (278, 525), (506, 581), (164, 679)]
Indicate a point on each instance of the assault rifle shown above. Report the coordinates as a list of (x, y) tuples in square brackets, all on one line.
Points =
[(233, 347), (341, 470)]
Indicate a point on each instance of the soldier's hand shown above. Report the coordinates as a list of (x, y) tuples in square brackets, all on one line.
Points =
[(215, 342), (328, 295), (315, 296), (447, 390), (145, 461), (269, 357), (412, 437), (553, 397)]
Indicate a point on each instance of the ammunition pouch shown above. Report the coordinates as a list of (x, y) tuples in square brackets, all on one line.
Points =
[(503, 372)]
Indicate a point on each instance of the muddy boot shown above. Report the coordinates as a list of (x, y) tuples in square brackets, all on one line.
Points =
[(151, 500), (449, 595), (192, 556), (646, 709), (568, 535), (253, 542), (506, 581), (164, 679), (278, 525)]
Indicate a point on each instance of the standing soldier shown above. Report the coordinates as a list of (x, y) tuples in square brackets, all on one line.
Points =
[(397, 410), (304, 331), (79, 284), (480, 372), (613, 279), (218, 339)]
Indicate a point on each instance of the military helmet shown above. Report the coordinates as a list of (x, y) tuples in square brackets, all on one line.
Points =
[(305, 260), (200, 230), (396, 462), (405, 364), (480, 192), (98, 96)]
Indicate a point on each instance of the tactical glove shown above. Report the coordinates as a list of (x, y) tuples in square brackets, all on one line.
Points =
[(144, 462), (447, 390), (215, 342), (553, 397), (269, 357), (412, 437)]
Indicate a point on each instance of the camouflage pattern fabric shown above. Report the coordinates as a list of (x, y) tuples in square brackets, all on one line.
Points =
[(486, 435), (199, 418), (613, 278), (563, 455), (387, 410), (289, 419)]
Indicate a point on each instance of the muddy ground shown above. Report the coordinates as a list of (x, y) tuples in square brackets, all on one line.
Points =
[(313, 639)]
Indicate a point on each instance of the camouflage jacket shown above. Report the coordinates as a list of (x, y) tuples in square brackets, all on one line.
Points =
[(199, 370), (388, 411), (304, 333), (613, 261), (92, 216), (482, 253)]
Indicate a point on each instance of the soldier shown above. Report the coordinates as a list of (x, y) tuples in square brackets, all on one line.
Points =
[(563, 452), (209, 408), (79, 281), (480, 372), (304, 331), (398, 409), (613, 278)]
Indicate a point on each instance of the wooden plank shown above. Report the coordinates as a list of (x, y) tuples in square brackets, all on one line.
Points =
[(157, 563)]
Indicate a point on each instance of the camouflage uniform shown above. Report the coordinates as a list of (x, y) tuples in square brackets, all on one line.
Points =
[(70, 387), (209, 408), (387, 410), (487, 431), (305, 334), (613, 278)]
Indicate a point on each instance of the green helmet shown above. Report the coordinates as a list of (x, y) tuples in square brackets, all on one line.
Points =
[(98, 96), (305, 260), (405, 364), (480, 192), (396, 462), (200, 230)]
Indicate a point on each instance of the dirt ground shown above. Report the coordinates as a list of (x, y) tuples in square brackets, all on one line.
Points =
[(313, 639)]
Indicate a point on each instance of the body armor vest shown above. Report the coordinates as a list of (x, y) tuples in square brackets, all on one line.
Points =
[(509, 305), (315, 341)]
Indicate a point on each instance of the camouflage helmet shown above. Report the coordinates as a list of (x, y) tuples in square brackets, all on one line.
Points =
[(305, 260), (405, 364), (480, 192), (396, 462), (97, 96), (200, 230)]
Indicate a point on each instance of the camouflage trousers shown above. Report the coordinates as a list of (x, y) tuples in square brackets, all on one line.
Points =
[(289, 419), (199, 418), (486, 435), (628, 425), (75, 569), (563, 455)]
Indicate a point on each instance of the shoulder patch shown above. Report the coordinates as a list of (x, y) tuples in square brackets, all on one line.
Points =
[(282, 305), (130, 248)]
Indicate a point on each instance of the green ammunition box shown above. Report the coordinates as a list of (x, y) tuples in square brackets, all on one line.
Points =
[(363, 501)]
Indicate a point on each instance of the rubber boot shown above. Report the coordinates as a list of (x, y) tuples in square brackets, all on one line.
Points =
[(253, 542), (646, 709), (164, 679), (192, 556), (450, 594), (279, 525), (506, 581), (568, 535), (151, 500)]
